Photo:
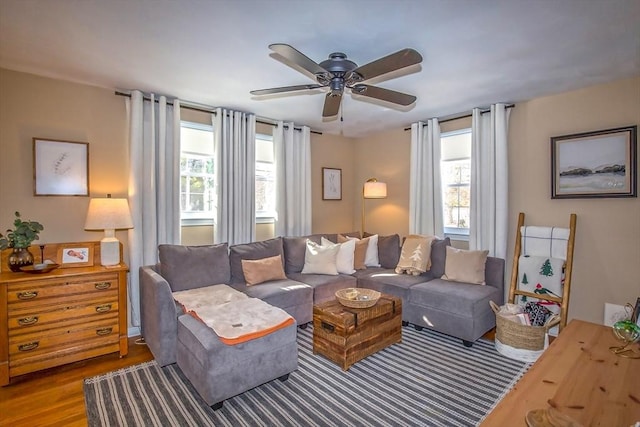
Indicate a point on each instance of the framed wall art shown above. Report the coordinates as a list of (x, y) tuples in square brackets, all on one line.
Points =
[(331, 184), (74, 255), (595, 164), (60, 168)]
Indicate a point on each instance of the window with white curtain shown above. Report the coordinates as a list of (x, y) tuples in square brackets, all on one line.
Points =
[(455, 169), (197, 174), (265, 179)]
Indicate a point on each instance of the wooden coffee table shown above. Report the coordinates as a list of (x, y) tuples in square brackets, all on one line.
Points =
[(581, 378), (345, 335)]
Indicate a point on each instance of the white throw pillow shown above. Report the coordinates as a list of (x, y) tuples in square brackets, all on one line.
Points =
[(344, 262), (320, 259)]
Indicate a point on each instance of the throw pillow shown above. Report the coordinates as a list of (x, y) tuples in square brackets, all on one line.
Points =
[(465, 266), (344, 261), (262, 270), (320, 259), (360, 252), (371, 258), (415, 257), (389, 250)]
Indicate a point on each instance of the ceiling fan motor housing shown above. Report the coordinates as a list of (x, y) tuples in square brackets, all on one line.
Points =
[(340, 69)]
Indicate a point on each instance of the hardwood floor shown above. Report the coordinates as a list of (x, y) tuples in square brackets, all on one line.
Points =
[(54, 397)]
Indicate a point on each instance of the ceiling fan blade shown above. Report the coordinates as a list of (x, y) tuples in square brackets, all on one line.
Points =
[(297, 58), (401, 59), (284, 89), (384, 94), (331, 105)]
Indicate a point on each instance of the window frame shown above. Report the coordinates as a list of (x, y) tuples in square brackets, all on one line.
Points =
[(266, 217)]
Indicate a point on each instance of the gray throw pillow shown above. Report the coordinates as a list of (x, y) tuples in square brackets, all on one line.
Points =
[(188, 267), (438, 257), (254, 250), (294, 250), (389, 250)]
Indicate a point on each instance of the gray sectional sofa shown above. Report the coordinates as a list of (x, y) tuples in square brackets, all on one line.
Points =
[(458, 309)]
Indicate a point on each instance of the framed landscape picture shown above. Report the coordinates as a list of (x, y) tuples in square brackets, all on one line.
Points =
[(595, 164)]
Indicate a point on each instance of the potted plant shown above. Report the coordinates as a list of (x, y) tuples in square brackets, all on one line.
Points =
[(19, 239)]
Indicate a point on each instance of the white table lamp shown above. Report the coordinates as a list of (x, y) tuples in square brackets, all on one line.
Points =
[(109, 215)]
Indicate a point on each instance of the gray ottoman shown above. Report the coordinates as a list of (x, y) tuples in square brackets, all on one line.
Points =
[(219, 371)]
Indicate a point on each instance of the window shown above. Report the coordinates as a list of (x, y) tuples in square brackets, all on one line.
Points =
[(197, 174), (265, 179), (455, 169)]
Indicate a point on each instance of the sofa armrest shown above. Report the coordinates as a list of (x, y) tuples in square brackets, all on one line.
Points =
[(494, 274), (158, 315)]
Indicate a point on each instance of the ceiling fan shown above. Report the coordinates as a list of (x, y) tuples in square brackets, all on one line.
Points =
[(337, 73)]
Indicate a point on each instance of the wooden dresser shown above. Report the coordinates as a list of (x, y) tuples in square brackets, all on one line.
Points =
[(62, 316)]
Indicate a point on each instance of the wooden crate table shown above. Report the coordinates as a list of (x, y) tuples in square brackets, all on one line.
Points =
[(345, 335)]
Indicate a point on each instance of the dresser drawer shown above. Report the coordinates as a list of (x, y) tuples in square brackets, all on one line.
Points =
[(33, 319), (52, 291), (59, 340)]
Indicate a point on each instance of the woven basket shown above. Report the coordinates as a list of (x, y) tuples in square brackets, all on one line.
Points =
[(357, 297), (521, 336)]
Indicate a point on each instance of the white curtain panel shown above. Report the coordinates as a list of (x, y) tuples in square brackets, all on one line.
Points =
[(489, 222), (235, 152), (425, 185), (154, 184), (293, 179)]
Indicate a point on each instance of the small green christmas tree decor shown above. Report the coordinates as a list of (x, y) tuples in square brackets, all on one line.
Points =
[(525, 281), (546, 269)]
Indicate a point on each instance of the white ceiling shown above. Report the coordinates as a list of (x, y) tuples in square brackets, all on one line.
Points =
[(213, 52)]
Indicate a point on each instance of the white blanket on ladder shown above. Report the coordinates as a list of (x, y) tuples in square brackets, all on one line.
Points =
[(540, 275), (544, 241)]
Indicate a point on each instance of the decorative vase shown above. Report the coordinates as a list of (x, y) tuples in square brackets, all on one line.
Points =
[(20, 257)]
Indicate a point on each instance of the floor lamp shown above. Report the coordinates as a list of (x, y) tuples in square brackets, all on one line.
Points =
[(372, 189)]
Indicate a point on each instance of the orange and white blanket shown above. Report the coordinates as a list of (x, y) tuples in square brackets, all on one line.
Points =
[(233, 316)]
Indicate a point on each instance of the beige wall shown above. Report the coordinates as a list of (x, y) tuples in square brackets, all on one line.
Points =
[(607, 263), (33, 106), (331, 216), (607, 254)]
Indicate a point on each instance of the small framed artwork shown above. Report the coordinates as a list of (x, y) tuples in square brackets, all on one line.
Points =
[(74, 255), (60, 168), (595, 164), (331, 184)]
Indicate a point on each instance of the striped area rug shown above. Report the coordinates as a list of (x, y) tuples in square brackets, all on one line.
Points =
[(429, 379)]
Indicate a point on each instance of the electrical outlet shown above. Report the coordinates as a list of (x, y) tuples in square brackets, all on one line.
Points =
[(614, 313)]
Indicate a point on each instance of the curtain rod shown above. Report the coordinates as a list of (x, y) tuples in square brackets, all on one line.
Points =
[(190, 106), (465, 115)]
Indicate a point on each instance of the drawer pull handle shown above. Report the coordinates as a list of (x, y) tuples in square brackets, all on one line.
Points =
[(104, 331), (26, 321), (27, 295), (103, 285), (30, 346), (103, 308)]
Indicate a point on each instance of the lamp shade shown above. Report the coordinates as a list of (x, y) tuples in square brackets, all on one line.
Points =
[(374, 189), (108, 214)]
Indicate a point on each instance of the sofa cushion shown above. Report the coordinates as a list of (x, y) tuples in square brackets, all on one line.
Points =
[(281, 293), (388, 281), (465, 266), (254, 250), (188, 267), (325, 287), (294, 250), (389, 250), (319, 259), (263, 270), (462, 299)]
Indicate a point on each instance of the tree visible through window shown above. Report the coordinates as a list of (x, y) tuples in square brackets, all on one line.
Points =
[(197, 172), (455, 169)]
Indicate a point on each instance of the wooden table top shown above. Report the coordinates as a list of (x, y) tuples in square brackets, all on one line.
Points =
[(581, 378)]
